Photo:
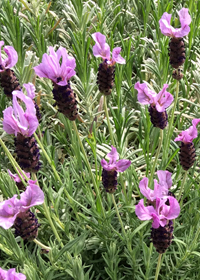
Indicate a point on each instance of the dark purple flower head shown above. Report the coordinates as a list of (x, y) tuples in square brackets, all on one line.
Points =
[(57, 66), (9, 209), (102, 49), (11, 60), (113, 164), (170, 31), (11, 274), (189, 134)]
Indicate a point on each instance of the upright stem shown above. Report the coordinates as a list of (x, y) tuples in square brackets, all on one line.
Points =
[(89, 168), (41, 245), (158, 267), (108, 121), (156, 157), (49, 216), (15, 165), (48, 158), (182, 186), (170, 130)]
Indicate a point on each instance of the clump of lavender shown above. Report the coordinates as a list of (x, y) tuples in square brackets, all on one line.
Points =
[(23, 125), (162, 208), (111, 168), (187, 152), (176, 45), (16, 212), (158, 103), (8, 80), (106, 71), (59, 68)]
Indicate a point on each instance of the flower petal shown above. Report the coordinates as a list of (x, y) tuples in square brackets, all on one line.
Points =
[(101, 48), (189, 134), (144, 213), (174, 210), (30, 88), (185, 18), (165, 178), (13, 275), (32, 196), (16, 177), (122, 165), (116, 57), (165, 26), (163, 99), (145, 96), (113, 155), (9, 209), (12, 57), (10, 123), (145, 190)]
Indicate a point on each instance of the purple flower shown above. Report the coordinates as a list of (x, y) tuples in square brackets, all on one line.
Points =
[(160, 189), (146, 96), (113, 164), (11, 274), (161, 213), (189, 134), (57, 66), (16, 120), (168, 30), (16, 178), (102, 49), (9, 209), (30, 89), (11, 60)]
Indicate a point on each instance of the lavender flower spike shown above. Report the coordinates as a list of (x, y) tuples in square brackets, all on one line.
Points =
[(110, 169), (106, 71), (11, 274), (187, 152), (158, 103)]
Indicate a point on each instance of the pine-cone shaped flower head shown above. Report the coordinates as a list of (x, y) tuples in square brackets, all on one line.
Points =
[(30, 89), (110, 169), (106, 71), (60, 71), (66, 101), (11, 274), (8, 80), (158, 103), (17, 179), (162, 237), (176, 44), (187, 152), (26, 226), (16, 211)]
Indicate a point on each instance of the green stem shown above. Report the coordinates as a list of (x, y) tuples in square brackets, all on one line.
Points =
[(170, 128), (149, 261), (48, 158), (158, 267), (108, 121), (48, 215), (182, 187), (123, 188), (15, 165), (156, 157), (41, 245), (89, 168)]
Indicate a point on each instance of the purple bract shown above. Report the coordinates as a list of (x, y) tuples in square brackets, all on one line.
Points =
[(11, 60), (189, 134)]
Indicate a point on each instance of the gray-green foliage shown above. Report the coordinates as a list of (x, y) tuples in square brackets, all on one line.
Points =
[(94, 247)]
